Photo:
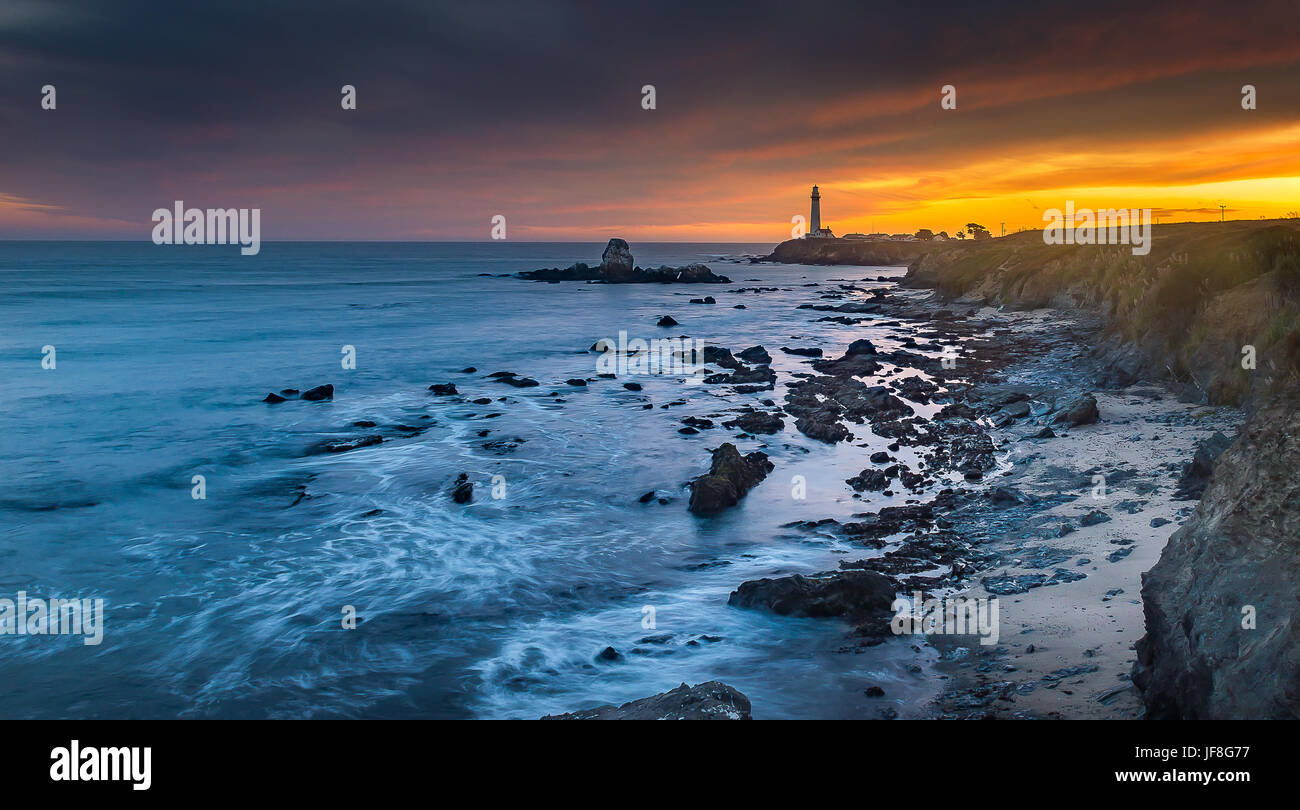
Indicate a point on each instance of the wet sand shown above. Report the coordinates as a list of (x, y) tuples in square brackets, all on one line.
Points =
[(1066, 650)]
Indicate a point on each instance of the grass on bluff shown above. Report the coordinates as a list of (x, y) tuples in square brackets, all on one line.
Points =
[(1203, 288)]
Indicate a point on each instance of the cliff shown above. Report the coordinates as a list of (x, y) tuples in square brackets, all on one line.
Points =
[(1223, 623), (1222, 620), (1186, 312)]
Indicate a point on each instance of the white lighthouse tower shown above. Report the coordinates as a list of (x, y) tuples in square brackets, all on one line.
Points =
[(815, 229)]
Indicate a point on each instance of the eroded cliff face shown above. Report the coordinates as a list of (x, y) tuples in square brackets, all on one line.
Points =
[(1223, 602)]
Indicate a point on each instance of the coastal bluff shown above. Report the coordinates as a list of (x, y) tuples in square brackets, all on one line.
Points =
[(1213, 311), (849, 251)]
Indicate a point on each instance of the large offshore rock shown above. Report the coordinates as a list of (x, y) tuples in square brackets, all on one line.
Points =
[(728, 479), (1222, 617), (712, 700), (616, 261), (617, 267)]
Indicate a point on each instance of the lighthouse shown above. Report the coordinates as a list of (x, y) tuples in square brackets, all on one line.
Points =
[(815, 229)]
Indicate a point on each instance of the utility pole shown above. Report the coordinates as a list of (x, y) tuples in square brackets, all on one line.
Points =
[(1222, 209), (1004, 229)]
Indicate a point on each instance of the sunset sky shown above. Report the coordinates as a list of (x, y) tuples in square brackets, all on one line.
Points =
[(533, 111)]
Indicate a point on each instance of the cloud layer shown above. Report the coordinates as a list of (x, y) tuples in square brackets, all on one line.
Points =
[(533, 110)]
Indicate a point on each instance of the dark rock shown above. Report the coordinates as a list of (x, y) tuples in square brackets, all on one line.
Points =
[(274, 398), (810, 352), (463, 489), (690, 274), (667, 320), (729, 478), (829, 432), (820, 402), (970, 448), (1017, 410), (631, 386), (1196, 473), (616, 267), (721, 356), (1093, 518), (318, 393), (1119, 554), (1082, 411), (444, 389), (1006, 496), (609, 655), (853, 364), (510, 378), (1010, 585), (917, 389), (757, 422), (755, 354), (850, 594), (869, 480), (616, 261), (713, 700)]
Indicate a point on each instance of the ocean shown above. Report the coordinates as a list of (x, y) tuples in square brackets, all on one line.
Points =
[(234, 605)]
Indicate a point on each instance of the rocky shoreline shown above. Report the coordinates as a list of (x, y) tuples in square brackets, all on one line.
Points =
[(1206, 653), (962, 526), (1028, 470)]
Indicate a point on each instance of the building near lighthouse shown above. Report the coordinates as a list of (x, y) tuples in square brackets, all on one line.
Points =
[(815, 229)]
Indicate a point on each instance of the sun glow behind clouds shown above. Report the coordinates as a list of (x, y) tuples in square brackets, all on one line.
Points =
[(1255, 174)]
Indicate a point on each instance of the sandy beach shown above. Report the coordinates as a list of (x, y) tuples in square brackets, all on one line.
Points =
[(1066, 650)]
